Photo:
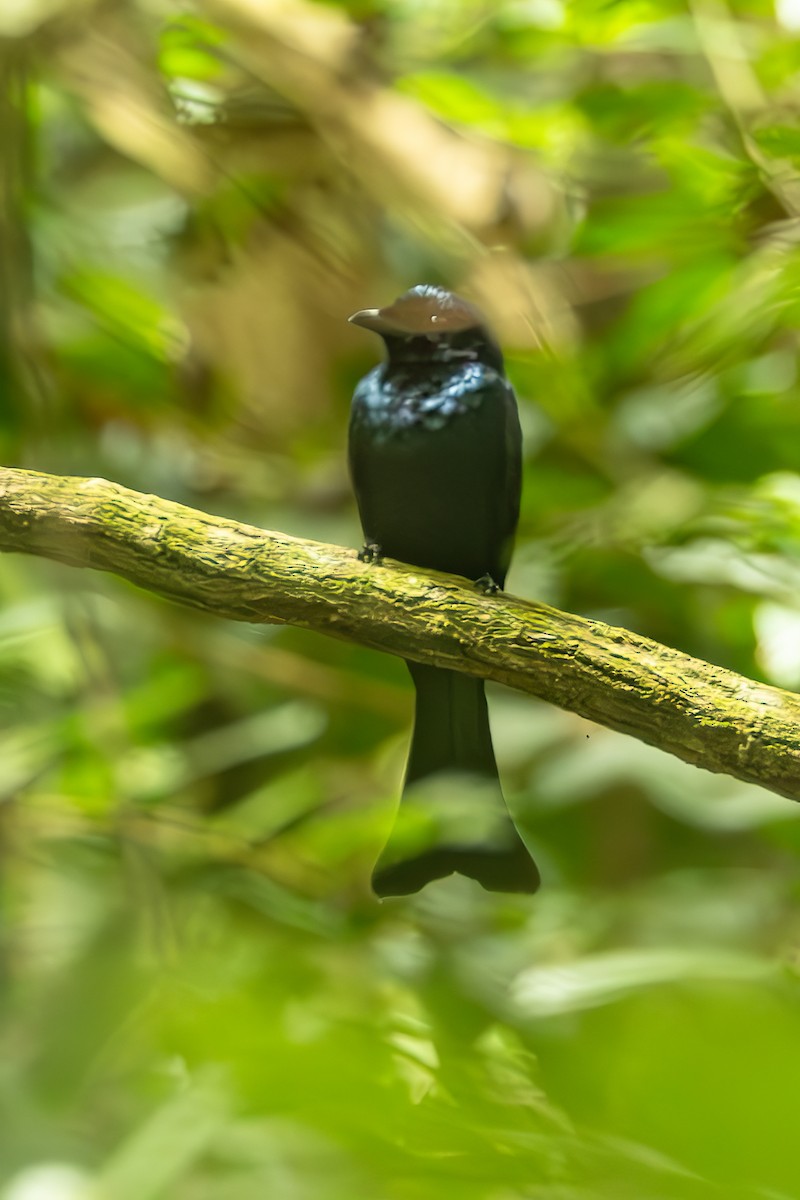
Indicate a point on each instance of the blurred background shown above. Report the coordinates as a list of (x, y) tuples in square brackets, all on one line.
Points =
[(199, 998)]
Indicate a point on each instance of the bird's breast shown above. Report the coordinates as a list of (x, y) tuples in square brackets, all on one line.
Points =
[(396, 401)]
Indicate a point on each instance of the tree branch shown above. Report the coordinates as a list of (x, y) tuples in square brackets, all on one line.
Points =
[(701, 713)]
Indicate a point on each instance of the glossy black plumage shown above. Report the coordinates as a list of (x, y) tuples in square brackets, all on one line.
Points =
[(435, 458)]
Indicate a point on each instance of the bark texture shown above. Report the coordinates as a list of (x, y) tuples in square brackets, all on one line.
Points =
[(704, 714)]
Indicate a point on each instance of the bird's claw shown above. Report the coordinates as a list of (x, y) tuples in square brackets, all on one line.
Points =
[(370, 552), (487, 585)]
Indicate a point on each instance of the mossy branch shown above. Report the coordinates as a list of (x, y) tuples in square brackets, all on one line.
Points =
[(701, 713)]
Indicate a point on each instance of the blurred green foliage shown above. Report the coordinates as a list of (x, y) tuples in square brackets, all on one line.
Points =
[(200, 999)]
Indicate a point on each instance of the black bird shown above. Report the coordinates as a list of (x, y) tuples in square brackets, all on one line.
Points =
[(435, 456)]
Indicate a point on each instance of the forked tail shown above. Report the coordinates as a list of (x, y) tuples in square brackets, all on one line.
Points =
[(452, 814)]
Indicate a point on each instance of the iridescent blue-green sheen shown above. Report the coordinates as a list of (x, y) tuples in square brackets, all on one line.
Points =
[(435, 456)]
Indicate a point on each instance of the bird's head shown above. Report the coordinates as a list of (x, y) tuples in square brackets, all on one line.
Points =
[(429, 324)]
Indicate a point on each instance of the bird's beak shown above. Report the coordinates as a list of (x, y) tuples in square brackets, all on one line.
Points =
[(370, 318)]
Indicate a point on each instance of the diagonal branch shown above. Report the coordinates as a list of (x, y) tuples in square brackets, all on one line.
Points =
[(701, 713)]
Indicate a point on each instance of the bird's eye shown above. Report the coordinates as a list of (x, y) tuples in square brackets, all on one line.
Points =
[(434, 318)]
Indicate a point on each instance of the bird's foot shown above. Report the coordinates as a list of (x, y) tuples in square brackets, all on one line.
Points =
[(487, 585), (370, 552)]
